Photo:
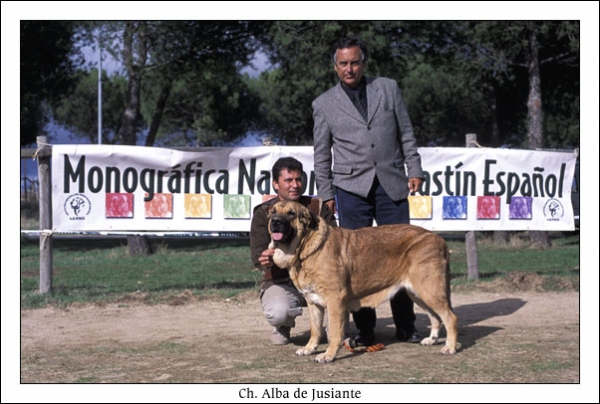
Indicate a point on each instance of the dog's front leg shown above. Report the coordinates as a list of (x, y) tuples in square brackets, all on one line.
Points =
[(336, 313), (316, 314)]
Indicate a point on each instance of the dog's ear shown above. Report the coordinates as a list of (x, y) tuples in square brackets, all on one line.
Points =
[(314, 221), (270, 210), (309, 218)]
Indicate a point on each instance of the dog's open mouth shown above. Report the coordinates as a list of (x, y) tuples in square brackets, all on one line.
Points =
[(277, 236)]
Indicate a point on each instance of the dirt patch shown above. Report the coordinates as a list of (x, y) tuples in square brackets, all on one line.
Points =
[(522, 337)]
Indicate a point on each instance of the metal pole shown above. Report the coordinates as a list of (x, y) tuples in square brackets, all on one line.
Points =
[(99, 88)]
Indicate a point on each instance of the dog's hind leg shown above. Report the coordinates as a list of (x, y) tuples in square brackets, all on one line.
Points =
[(316, 314), (450, 321), (439, 311), (434, 320), (438, 308)]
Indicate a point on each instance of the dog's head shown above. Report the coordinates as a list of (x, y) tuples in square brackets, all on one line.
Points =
[(289, 221)]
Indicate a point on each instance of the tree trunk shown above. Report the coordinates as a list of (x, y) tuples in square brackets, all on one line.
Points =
[(540, 238), (535, 116), (138, 245), (501, 237), (158, 111), (496, 139), (129, 121), (535, 113)]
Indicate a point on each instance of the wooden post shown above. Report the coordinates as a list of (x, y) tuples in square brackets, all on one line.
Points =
[(470, 238), (45, 202)]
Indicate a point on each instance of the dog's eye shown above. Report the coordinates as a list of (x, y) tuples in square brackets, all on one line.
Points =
[(291, 214)]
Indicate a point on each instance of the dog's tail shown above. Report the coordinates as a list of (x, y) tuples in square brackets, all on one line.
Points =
[(448, 275)]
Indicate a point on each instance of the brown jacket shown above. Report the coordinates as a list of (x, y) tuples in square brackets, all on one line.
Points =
[(260, 238)]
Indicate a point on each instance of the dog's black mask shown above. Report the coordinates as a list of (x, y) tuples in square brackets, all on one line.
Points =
[(281, 230)]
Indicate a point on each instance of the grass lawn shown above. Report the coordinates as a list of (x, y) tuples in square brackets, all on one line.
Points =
[(100, 270)]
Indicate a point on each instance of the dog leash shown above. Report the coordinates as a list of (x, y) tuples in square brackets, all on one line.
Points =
[(372, 348)]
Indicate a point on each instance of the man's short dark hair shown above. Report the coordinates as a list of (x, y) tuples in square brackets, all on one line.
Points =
[(289, 163), (345, 43)]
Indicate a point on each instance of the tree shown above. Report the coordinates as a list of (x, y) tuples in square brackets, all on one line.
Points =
[(529, 45), (522, 55), (78, 112), (168, 52), (48, 62), (535, 32), (206, 107), (301, 52)]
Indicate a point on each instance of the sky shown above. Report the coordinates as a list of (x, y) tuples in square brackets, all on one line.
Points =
[(12, 12)]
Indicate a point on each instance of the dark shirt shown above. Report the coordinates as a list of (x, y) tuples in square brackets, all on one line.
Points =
[(358, 96), (260, 237)]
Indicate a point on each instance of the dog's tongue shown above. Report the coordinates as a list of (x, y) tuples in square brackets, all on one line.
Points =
[(277, 236)]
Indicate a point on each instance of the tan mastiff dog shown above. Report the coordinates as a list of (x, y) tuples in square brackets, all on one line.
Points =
[(343, 270)]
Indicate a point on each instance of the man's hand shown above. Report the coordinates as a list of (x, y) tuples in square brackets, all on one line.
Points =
[(414, 184), (331, 205), (266, 258)]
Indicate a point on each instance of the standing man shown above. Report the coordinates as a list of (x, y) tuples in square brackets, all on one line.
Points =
[(281, 301), (363, 139)]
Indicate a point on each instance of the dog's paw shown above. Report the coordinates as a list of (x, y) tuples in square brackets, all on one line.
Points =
[(429, 341), (446, 350), (304, 351), (323, 358)]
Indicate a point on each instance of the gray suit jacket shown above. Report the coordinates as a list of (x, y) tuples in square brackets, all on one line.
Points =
[(350, 152)]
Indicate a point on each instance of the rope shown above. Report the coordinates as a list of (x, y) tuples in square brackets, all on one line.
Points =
[(41, 146), (45, 234), (476, 144)]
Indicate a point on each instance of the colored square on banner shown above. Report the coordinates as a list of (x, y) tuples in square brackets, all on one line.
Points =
[(421, 206), (160, 207), (198, 206), (488, 207), (520, 207), (454, 207), (236, 206), (119, 205)]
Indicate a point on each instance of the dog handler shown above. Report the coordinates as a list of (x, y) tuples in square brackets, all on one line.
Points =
[(281, 301)]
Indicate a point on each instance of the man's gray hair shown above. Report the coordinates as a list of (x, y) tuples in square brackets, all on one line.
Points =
[(345, 43)]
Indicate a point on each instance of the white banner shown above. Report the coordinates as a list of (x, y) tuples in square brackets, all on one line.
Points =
[(134, 188)]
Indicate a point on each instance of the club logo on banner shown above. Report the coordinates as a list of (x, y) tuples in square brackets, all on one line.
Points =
[(77, 207), (553, 210)]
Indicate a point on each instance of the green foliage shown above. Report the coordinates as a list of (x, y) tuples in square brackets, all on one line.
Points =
[(205, 107), (444, 103), (302, 53), (48, 60), (499, 54), (79, 112), (183, 82), (457, 77)]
